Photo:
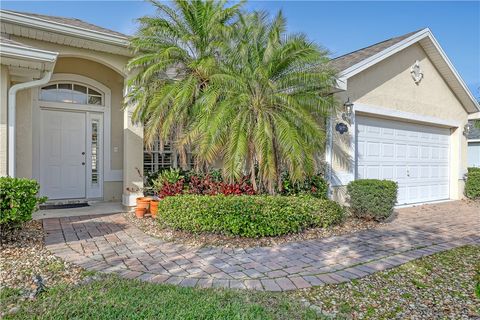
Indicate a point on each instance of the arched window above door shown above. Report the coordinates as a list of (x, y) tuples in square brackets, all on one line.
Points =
[(69, 92)]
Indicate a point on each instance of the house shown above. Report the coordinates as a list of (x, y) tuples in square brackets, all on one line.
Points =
[(406, 110), (62, 87), (63, 123), (474, 142)]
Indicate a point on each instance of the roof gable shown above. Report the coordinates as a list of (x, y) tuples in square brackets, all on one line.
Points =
[(345, 61), (353, 63)]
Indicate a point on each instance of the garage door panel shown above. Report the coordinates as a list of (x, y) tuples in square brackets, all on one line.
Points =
[(415, 156)]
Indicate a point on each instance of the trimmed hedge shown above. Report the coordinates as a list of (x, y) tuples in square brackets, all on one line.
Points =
[(473, 169), (18, 200), (472, 185), (247, 216), (372, 199)]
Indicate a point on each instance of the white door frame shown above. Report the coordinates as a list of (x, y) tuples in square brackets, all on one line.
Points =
[(93, 113)]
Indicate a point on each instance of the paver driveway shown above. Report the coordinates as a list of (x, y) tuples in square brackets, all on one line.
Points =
[(109, 244)]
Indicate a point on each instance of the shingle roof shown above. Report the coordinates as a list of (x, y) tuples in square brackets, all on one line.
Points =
[(347, 60), (71, 22)]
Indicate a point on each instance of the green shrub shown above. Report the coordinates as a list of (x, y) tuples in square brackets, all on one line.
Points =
[(473, 169), (472, 185), (18, 200), (372, 199), (314, 185), (247, 216)]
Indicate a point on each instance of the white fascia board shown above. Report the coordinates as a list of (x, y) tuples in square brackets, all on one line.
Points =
[(452, 68), (364, 64), (473, 140), (405, 116), (28, 53), (474, 116), (38, 23), (376, 58)]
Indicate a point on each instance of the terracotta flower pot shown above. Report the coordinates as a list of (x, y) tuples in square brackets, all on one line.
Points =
[(140, 212), (154, 208), (144, 202)]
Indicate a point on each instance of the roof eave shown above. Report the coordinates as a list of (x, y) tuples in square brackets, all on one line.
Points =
[(344, 75), (38, 23)]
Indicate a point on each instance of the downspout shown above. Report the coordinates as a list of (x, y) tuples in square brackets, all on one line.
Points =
[(12, 101)]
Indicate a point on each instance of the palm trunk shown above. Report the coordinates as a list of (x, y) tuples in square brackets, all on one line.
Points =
[(251, 161)]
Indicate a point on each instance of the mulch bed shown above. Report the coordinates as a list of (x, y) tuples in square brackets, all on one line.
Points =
[(154, 228), (23, 256)]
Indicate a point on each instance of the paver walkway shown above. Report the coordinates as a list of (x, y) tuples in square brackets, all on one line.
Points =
[(108, 243)]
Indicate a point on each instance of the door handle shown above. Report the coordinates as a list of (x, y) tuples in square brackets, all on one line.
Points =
[(83, 153), (83, 163)]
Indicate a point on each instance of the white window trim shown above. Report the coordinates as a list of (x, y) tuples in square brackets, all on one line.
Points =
[(108, 173), (95, 191)]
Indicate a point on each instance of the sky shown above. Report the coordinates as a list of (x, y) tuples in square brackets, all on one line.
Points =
[(339, 26)]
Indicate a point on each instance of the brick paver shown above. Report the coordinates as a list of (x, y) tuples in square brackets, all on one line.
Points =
[(107, 243)]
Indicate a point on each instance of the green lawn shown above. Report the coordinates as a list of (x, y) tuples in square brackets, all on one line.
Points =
[(445, 285), (114, 298)]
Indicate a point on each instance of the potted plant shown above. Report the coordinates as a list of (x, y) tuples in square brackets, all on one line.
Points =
[(140, 212), (154, 207), (143, 202)]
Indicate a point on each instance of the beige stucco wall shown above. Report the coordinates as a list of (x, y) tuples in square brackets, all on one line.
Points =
[(103, 67), (24, 134), (389, 85), (4, 86)]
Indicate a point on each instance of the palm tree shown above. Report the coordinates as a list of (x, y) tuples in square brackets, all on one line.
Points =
[(264, 108), (175, 55)]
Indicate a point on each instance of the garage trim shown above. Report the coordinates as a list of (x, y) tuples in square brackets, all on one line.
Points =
[(343, 178)]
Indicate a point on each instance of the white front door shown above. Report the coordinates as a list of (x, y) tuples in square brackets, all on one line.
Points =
[(413, 155), (62, 154)]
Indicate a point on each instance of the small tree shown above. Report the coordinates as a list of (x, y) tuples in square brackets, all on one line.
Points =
[(264, 107)]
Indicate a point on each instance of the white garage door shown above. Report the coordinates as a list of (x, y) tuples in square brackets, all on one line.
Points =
[(415, 156)]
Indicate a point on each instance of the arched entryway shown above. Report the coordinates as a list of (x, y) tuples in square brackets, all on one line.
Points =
[(73, 116)]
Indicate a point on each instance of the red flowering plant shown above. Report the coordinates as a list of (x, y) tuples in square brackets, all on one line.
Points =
[(211, 185), (239, 188), (168, 183), (171, 189), (205, 185), (173, 182)]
